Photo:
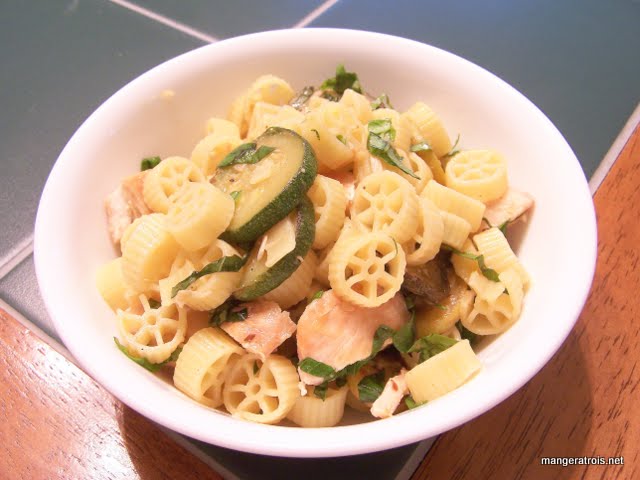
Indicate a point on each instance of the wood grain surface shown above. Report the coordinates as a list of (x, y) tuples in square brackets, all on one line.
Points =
[(57, 423), (586, 401)]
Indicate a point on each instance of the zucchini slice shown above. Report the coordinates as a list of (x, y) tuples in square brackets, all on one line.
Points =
[(258, 278), (270, 188)]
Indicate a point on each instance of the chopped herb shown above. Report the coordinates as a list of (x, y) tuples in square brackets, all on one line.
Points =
[(256, 368), (317, 369), (342, 139), (246, 153), (329, 95), (316, 296), (502, 227), (224, 264), (342, 81), (411, 403), (341, 382), (371, 386), (381, 134), (466, 334), (153, 303), (440, 306), (302, 98), (143, 362), (453, 150), (421, 147), (410, 302), (148, 163), (405, 337), (490, 273), (227, 312), (381, 102), (316, 132), (431, 345), (320, 391), (235, 195)]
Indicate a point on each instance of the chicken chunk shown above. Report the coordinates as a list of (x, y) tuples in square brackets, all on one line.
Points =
[(394, 391)]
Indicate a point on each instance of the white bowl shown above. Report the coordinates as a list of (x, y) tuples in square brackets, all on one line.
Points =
[(71, 240)]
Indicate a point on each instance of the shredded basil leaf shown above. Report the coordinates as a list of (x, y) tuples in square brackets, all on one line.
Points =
[(316, 296), (371, 386), (381, 102), (421, 147), (246, 153), (411, 403), (490, 273), (148, 163), (502, 227), (143, 362), (299, 101), (342, 81), (317, 369), (453, 150), (342, 139), (320, 391), (224, 264), (235, 195), (227, 312), (431, 345), (405, 337), (379, 144), (316, 132), (341, 382), (153, 303), (329, 95), (466, 334), (440, 306)]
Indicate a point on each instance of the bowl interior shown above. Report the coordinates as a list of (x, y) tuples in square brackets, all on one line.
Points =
[(140, 120)]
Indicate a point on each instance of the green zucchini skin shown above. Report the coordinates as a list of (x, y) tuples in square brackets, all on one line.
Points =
[(285, 201), (278, 273)]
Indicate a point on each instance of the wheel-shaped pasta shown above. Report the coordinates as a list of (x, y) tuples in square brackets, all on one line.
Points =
[(199, 213), (443, 372), (365, 164), (266, 115), (267, 89), (148, 254), (386, 202), (222, 127), (155, 333), (492, 316), (480, 174), (200, 368), (427, 127), (456, 229), (210, 151), (368, 269), (313, 412), (296, 287), (167, 178), (210, 291), (454, 202), (329, 203), (498, 254), (358, 104), (425, 243), (258, 391), (111, 286)]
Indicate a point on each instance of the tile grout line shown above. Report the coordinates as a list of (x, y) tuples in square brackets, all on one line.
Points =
[(166, 21), (16, 255), (614, 151), (311, 16)]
